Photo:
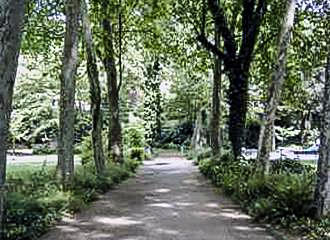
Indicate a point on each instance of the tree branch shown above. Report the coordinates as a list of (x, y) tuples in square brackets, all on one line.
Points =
[(120, 81), (203, 20), (222, 24), (251, 24), (214, 49), (247, 17)]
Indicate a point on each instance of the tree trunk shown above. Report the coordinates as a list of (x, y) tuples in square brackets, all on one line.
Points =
[(115, 147), (216, 95), (236, 60), (95, 93), (11, 24), (68, 87), (276, 86), (273, 148), (238, 100), (158, 104), (196, 144), (322, 189)]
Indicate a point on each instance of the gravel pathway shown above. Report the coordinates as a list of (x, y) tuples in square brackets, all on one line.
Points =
[(167, 200)]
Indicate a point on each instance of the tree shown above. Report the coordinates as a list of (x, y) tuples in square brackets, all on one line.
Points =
[(199, 137), (152, 102), (322, 189), (216, 98), (115, 147), (34, 118), (275, 89), (67, 95), (11, 24), (95, 92), (237, 60)]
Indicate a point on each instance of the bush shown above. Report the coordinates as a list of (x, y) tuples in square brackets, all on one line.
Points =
[(178, 135), (36, 199), (169, 146), (86, 150), (136, 153), (133, 136), (131, 165), (34, 202), (285, 193), (205, 153), (87, 185), (26, 217), (293, 193), (311, 229), (290, 166)]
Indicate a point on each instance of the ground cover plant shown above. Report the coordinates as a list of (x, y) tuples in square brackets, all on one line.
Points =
[(284, 197), (36, 199)]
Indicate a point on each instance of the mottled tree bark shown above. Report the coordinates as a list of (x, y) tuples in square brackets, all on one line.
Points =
[(216, 98), (68, 87), (115, 147), (95, 93), (322, 189), (276, 86), (11, 24)]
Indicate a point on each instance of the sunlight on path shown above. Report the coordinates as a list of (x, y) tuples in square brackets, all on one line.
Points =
[(167, 200)]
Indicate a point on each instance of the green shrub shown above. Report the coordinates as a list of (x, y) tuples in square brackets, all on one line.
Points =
[(133, 136), (206, 166), (136, 153), (290, 166), (131, 165), (262, 208), (36, 199), (285, 193), (86, 152), (205, 153), (311, 229), (28, 216), (25, 218), (117, 172), (293, 194), (170, 145), (85, 149), (190, 155), (253, 188)]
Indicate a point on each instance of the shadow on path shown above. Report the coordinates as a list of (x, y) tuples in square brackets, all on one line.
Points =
[(167, 200)]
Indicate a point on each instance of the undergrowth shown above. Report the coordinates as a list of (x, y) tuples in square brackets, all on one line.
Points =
[(35, 200), (283, 197)]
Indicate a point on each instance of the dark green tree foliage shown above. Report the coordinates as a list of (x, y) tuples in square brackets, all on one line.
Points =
[(44, 29), (152, 103), (35, 109)]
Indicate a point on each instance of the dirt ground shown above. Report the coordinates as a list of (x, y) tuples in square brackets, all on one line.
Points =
[(167, 200)]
